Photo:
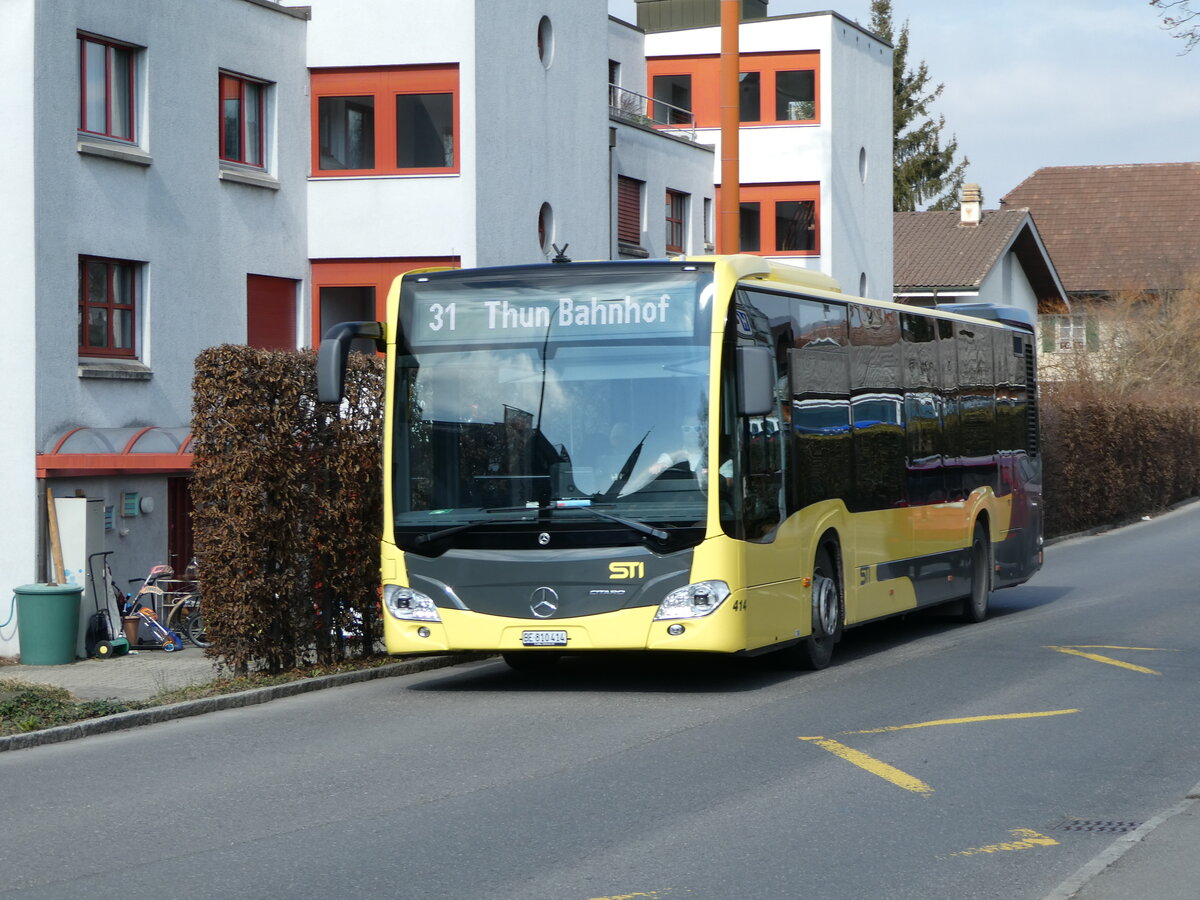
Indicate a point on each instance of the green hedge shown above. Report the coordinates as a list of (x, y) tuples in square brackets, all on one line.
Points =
[(287, 505), (1110, 460)]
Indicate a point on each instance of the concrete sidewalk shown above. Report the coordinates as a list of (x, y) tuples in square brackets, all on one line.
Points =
[(139, 675), (1157, 861)]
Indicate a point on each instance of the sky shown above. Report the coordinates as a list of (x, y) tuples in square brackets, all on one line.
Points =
[(1033, 83)]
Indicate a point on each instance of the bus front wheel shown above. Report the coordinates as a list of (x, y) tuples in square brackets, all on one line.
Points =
[(816, 650)]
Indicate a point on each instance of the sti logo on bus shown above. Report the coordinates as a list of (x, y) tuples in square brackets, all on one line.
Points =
[(625, 570)]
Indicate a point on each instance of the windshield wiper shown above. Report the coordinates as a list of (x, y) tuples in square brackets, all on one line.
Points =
[(632, 524), (430, 536), (640, 527)]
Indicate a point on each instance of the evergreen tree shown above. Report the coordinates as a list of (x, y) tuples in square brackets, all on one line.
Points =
[(924, 172)]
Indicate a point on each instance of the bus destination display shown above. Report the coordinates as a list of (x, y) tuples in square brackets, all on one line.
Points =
[(523, 316)]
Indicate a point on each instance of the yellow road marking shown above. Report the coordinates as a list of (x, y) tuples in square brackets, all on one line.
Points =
[(1026, 839), (1112, 647), (965, 721), (633, 896), (1096, 657), (896, 776), (872, 765)]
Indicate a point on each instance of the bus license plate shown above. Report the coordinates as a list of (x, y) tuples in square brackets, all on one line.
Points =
[(544, 638)]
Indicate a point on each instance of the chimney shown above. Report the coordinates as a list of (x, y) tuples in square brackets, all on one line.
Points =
[(971, 205)]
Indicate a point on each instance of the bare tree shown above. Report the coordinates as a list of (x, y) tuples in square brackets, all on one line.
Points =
[(1144, 345), (1179, 18)]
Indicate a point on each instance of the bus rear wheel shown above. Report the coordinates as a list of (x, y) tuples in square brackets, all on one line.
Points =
[(816, 651), (975, 605)]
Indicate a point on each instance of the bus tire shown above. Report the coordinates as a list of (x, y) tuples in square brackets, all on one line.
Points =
[(828, 614), (975, 605), (530, 660)]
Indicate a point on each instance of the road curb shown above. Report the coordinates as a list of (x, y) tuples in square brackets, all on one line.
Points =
[(138, 717), (1118, 848)]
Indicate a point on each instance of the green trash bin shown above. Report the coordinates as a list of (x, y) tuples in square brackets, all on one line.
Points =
[(47, 623)]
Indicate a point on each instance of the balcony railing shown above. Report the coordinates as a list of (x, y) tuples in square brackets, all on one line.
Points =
[(630, 106)]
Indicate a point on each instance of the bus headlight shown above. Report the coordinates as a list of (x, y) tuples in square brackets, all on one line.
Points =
[(693, 601), (409, 605)]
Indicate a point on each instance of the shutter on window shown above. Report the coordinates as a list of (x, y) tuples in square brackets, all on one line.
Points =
[(1092, 331), (270, 312), (629, 211)]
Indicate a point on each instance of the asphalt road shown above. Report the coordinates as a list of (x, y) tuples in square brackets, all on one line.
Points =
[(932, 760)]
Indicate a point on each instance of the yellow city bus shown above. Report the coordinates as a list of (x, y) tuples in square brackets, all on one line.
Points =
[(714, 454)]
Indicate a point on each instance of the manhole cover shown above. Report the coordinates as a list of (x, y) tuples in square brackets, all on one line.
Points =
[(1097, 826)]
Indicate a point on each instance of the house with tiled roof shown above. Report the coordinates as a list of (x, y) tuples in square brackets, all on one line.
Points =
[(1112, 230), (973, 255)]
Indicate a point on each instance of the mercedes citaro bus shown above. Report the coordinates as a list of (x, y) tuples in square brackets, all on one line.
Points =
[(715, 454)]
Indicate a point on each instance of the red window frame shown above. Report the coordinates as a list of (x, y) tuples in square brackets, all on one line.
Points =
[(704, 71), (249, 96), (676, 211), (112, 50), (767, 197), (384, 85), (113, 306)]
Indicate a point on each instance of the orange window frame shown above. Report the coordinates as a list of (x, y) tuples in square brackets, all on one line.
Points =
[(384, 84), (376, 273), (705, 73), (766, 196)]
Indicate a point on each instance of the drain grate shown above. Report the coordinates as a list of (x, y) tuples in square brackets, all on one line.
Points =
[(1097, 826)]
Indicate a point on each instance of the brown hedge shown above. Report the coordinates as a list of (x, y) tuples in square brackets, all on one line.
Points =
[(287, 505), (1112, 459)]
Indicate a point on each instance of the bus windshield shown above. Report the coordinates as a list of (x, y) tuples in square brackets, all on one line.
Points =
[(577, 399)]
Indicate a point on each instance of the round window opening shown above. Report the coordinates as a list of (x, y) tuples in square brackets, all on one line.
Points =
[(545, 41), (546, 228)]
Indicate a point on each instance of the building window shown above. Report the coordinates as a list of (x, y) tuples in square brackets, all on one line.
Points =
[(629, 211), (243, 107), (107, 74), (108, 298), (546, 228), (780, 219), (708, 224), (676, 212), (774, 88), (424, 131), (545, 41), (749, 97), (795, 96), (401, 120), (750, 227), (347, 132), (356, 291), (673, 99), (1077, 333)]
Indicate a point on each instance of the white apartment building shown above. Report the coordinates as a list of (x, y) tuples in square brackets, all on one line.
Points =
[(471, 133), (815, 140)]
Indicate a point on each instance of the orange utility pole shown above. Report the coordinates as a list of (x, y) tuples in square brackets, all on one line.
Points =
[(729, 219)]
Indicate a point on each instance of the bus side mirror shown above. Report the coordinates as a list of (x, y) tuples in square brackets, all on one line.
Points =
[(755, 381), (334, 353)]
